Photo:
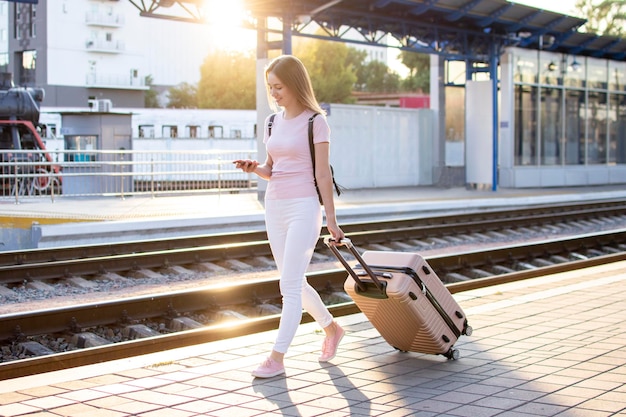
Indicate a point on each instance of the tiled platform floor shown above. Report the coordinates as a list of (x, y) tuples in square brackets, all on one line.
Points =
[(551, 346)]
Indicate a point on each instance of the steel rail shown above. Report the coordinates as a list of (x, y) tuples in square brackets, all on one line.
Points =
[(144, 255), (498, 218)]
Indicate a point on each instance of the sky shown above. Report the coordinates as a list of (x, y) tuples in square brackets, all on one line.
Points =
[(559, 6)]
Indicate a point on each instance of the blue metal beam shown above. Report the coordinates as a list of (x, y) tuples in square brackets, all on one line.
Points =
[(494, 16), (581, 47), (601, 52), (423, 8), (456, 15), (523, 22), (559, 40)]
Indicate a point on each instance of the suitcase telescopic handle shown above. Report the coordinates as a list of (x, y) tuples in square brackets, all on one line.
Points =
[(332, 245)]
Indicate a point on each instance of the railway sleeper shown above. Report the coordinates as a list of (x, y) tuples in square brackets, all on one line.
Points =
[(559, 259), (377, 246), (497, 235), (610, 249), (237, 265), (145, 273), (540, 262), (39, 286), (467, 237), (454, 240), (209, 267), (456, 277), (177, 270), (32, 348), (418, 243), (595, 252), (229, 315), (138, 331), (268, 309), (7, 292), (439, 241), (184, 323), (80, 282), (501, 269), (88, 339), (480, 273), (525, 265), (401, 246)]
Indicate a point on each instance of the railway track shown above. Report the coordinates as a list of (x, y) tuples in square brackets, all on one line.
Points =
[(168, 320), (198, 252)]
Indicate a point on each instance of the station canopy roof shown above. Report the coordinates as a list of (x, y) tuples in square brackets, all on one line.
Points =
[(438, 20), (461, 28)]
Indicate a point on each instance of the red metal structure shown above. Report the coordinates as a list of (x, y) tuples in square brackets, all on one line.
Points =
[(26, 166)]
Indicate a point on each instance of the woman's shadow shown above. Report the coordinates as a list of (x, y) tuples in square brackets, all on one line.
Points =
[(276, 391), (358, 403)]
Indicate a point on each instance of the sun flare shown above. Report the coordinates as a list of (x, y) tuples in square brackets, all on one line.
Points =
[(226, 22)]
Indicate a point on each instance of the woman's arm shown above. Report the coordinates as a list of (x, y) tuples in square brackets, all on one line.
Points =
[(324, 178)]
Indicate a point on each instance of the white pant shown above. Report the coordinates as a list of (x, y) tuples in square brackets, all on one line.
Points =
[(293, 228)]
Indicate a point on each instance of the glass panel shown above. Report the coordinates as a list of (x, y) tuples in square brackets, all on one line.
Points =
[(597, 73), (526, 67), (216, 131), (617, 129), (455, 114), (617, 76), (170, 131), (596, 121), (525, 125), (146, 131), (193, 131), (551, 126), (575, 72), (574, 127), (455, 72), (81, 143), (551, 69)]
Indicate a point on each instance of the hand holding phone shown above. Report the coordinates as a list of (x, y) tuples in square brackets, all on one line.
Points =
[(245, 165)]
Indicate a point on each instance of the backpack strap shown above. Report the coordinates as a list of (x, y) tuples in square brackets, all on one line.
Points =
[(311, 144), (269, 124)]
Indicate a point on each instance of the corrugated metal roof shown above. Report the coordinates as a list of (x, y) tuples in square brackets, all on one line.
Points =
[(423, 22)]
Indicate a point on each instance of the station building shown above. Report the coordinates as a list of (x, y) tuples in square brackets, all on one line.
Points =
[(532, 101)]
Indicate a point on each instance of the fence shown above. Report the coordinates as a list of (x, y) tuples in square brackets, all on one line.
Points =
[(44, 174)]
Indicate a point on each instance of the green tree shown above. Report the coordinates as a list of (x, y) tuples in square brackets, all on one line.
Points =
[(328, 62), (228, 81), (606, 17), (378, 78), (150, 98), (419, 71), (183, 96)]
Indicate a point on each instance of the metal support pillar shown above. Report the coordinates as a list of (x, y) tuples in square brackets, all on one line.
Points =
[(493, 72)]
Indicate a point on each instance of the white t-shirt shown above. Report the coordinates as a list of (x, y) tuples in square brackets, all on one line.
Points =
[(292, 172)]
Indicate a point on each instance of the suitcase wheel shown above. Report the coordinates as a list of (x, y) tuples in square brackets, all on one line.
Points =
[(400, 350), (453, 354), (468, 330)]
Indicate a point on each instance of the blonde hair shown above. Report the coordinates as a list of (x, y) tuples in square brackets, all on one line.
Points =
[(293, 74)]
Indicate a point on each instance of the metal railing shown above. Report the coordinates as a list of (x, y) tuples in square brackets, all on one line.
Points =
[(40, 174)]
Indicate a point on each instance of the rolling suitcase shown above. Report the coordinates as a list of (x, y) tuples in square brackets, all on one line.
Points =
[(404, 299)]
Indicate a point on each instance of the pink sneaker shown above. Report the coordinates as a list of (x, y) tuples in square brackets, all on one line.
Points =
[(329, 348), (268, 369)]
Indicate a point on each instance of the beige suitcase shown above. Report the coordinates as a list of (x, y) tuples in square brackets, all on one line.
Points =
[(404, 300)]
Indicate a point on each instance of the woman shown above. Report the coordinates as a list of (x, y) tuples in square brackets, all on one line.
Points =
[(293, 214)]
